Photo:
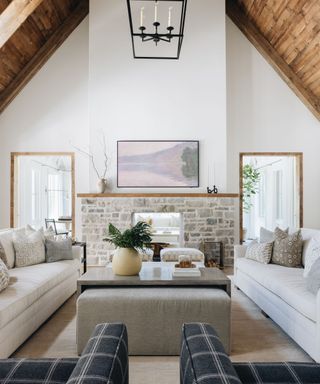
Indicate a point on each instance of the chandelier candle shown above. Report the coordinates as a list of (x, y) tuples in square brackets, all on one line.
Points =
[(156, 29)]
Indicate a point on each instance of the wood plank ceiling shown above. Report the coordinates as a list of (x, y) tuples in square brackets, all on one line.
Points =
[(34, 41), (287, 33)]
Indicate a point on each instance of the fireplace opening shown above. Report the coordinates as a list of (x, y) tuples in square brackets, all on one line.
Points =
[(166, 227)]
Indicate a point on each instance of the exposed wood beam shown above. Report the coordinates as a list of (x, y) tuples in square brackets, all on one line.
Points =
[(45, 52), (13, 16), (237, 15)]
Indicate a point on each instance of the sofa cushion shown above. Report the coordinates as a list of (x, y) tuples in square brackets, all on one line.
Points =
[(287, 283), (313, 278), (28, 284), (308, 235), (260, 252), (4, 276), (7, 245), (287, 248), (267, 236), (29, 248), (312, 254), (270, 373), (46, 371), (58, 250)]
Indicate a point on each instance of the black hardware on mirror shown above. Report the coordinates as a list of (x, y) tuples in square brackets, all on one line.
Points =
[(156, 35)]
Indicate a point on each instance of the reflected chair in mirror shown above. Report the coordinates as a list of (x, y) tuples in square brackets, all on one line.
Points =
[(52, 223)]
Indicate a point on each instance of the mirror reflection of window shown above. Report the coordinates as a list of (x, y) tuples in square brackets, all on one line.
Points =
[(42, 189), (271, 190)]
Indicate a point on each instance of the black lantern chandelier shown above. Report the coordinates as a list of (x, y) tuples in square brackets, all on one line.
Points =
[(157, 28)]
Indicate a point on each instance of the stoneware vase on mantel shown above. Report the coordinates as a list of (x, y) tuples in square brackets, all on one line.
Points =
[(101, 185), (126, 262)]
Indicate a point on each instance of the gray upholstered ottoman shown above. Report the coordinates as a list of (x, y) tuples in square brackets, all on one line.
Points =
[(153, 316)]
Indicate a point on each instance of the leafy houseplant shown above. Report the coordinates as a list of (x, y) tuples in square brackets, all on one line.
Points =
[(251, 179), (126, 260)]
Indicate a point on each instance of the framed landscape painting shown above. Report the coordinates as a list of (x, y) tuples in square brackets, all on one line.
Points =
[(164, 164)]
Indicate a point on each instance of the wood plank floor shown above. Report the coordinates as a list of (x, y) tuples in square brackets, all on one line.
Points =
[(254, 338)]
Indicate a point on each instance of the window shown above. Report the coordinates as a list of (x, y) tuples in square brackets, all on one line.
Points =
[(279, 194)]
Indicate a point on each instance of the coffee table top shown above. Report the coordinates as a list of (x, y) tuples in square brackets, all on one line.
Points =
[(153, 274)]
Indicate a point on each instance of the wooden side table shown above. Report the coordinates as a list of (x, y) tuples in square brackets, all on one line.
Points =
[(84, 257)]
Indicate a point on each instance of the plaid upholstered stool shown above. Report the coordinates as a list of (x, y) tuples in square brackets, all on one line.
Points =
[(204, 360), (104, 360)]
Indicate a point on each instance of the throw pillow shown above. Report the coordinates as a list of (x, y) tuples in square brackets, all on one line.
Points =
[(313, 278), (8, 250), (312, 255), (260, 252), (58, 250), (29, 248), (287, 249), (267, 236), (47, 233), (3, 256), (4, 276)]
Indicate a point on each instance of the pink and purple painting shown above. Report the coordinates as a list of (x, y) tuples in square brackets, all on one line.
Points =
[(166, 164)]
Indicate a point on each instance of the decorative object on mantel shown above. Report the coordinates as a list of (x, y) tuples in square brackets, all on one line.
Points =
[(102, 181), (158, 164), (127, 261), (213, 190), (148, 25)]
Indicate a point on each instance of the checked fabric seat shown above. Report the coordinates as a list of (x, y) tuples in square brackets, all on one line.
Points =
[(104, 360)]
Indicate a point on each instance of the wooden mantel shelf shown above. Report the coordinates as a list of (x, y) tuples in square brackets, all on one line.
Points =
[(104, 195)]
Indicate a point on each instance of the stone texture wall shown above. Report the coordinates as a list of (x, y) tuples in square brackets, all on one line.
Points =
[(204, 219)]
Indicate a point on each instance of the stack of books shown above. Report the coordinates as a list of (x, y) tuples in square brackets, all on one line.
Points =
[(186, 272)]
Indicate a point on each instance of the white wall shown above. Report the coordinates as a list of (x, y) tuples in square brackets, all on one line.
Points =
[(263, 114), (159, 99), (51, 111)]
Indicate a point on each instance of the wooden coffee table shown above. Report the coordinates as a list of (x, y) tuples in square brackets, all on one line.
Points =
[(153, 274)]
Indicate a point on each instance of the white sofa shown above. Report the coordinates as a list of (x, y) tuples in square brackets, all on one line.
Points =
[(282, 294), (34, 293)]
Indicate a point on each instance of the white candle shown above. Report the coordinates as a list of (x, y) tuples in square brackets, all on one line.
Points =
[(141, 16), (169, 17), (156, 12)]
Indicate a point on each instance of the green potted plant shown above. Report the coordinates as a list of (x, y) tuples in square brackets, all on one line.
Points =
[(251, 179), (127, 261)]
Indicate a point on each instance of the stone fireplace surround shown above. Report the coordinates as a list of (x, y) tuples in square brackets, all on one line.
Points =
[(205, 217)]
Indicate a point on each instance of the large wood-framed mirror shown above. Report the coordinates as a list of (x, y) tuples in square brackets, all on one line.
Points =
[(271, 192), (43, 190)]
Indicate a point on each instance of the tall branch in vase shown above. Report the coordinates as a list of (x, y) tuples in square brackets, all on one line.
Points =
[(102, 182)]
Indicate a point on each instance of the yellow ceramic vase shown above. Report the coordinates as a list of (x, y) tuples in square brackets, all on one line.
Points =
[(126, 262)]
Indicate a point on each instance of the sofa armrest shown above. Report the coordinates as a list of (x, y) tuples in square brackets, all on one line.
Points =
[(203, 358), (240, 251), (77, 252), (104, 358)]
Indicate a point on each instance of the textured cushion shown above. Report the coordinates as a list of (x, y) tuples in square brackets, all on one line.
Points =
[(28, 284), (47, 233), (29, 248), (287, 249), (267, 236), (7, 245), (312, 255), (3, 256), (172, 254), (36, 371), (313, 278), (287, 283), (58, 250), (270, 373), (4, 276), (105, 357), (203, 358), (260, 252)]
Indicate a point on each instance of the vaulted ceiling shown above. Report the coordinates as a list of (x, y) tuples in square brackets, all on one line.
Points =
[(286, 32), (30, 32)]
